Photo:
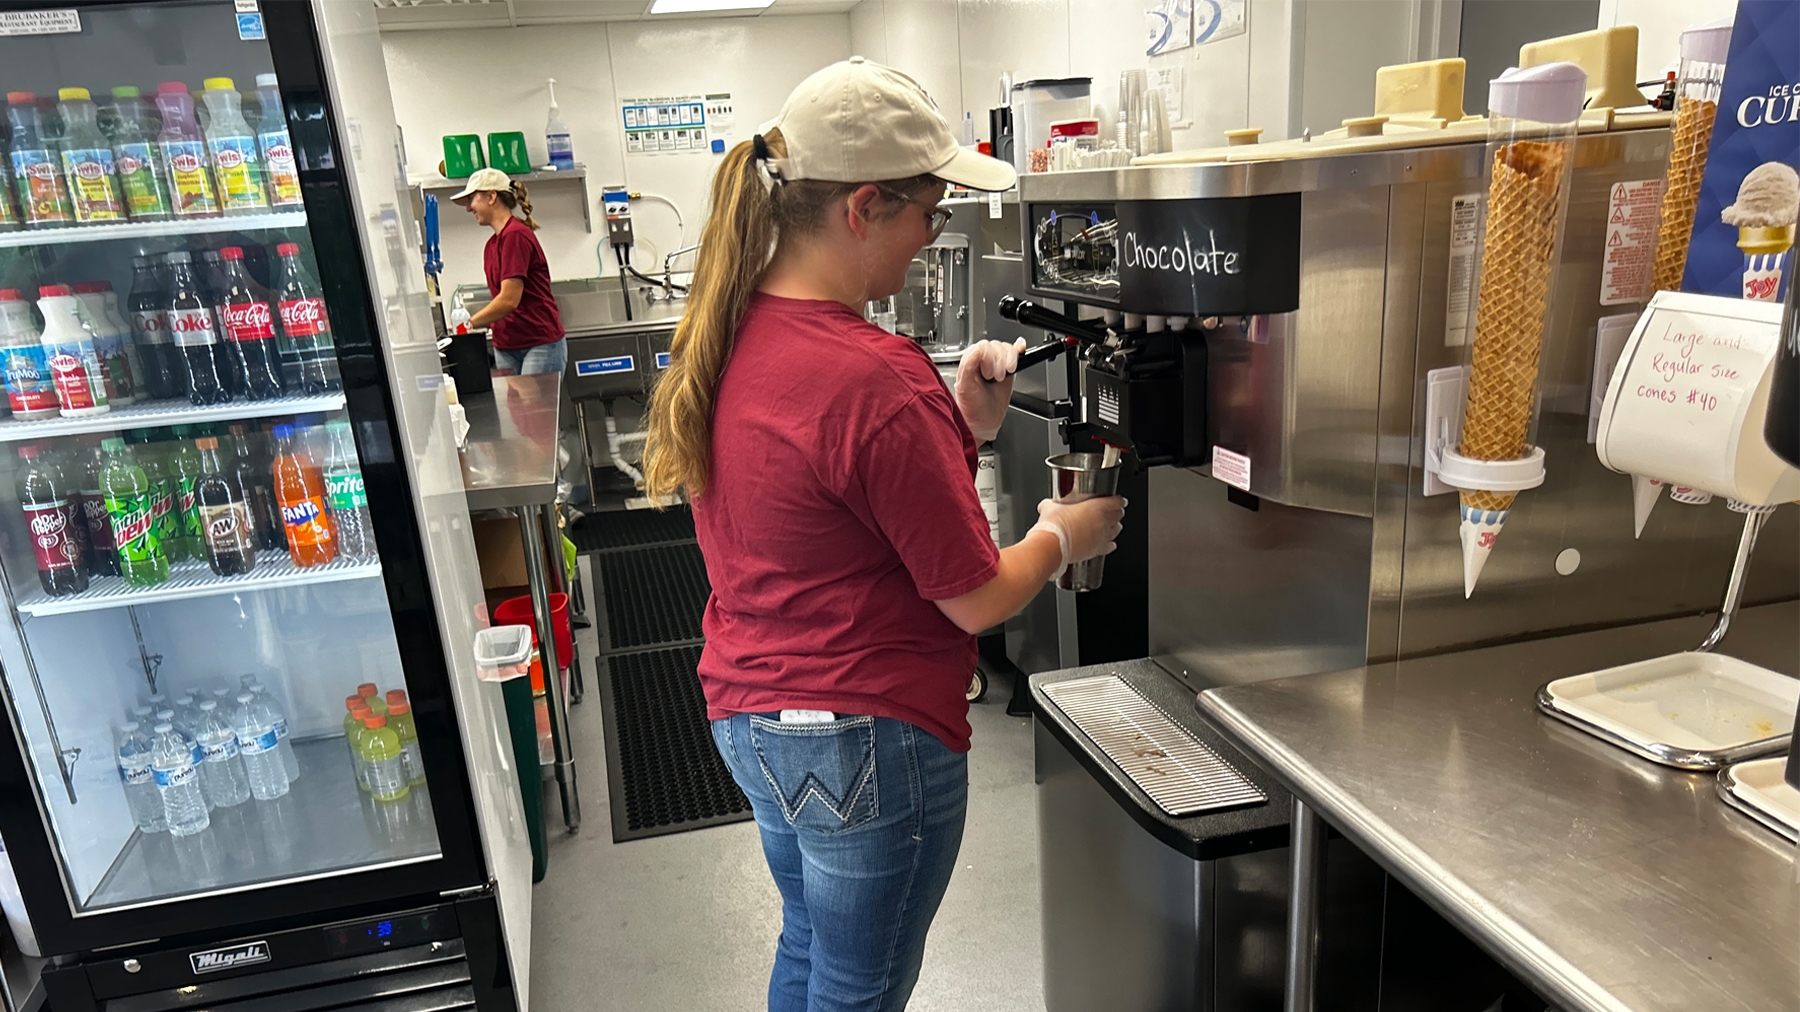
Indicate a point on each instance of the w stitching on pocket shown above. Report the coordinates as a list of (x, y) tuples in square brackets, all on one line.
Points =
[(844, 810)]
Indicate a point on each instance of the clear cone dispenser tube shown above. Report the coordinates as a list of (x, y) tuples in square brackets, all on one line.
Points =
[(1530, 159), (1697, 86)]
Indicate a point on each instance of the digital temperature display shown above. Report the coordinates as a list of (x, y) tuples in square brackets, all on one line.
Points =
[(381, 930), (389, 932)]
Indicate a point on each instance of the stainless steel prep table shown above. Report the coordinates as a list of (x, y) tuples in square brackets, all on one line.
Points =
[(1604, 881), (509, 462)]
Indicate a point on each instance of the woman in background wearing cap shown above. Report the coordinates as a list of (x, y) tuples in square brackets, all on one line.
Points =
[(522, 317), (832, 481)]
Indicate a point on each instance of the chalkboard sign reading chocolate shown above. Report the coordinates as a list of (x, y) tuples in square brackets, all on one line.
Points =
[(1219, 256)]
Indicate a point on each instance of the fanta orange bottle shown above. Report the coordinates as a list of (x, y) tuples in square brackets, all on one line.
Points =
[(300, 491)]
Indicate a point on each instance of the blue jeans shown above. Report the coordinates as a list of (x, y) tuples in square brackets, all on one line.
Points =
[(861, 819), (538, 358)]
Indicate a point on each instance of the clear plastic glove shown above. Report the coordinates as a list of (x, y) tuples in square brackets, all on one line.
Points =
[(984, 382), (1085, 529)]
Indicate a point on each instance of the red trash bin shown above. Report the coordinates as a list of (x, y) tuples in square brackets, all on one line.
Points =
[(518, 611)]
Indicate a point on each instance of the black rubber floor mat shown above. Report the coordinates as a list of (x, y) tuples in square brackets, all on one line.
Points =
[(653, 595), (624, 529), (664, 771)]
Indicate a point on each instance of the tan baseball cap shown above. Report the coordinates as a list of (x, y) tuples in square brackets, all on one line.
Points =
[(485, 179), (858, 121)]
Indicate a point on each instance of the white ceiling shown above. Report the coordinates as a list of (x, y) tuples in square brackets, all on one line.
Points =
[(425, 15)]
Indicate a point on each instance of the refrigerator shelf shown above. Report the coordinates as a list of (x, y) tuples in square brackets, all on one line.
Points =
[(151, 229), (136, 416), (192, 579)]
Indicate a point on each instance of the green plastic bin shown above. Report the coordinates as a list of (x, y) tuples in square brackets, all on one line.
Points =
[(462, 155), (506, 152)]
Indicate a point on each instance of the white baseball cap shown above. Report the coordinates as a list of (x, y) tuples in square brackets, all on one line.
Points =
[(857, 121), (485, 179)]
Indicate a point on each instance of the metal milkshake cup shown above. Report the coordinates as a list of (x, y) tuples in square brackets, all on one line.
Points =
[(1077, 477)]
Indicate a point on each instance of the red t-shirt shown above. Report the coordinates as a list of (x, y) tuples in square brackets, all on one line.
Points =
[(513, 252), (841, 504)]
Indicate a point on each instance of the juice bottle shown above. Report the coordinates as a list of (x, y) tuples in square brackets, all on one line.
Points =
[(37, 171), (277, 149), (29, 390), (129, 503), (9, 214), (353, 737), (237, 165), (400, 718), (112, 341), (138, 159), (87, 159), (382, 758), (75, 367), (300, 491), (191, 193)]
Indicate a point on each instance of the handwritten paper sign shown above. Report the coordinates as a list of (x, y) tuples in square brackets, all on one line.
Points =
[(1687, 400)]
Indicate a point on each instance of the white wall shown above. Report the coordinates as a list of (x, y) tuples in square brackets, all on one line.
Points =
[(1660, 23), (466, 81)]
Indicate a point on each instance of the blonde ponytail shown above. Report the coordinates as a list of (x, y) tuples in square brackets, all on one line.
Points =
[(518, 198), (734, 252)]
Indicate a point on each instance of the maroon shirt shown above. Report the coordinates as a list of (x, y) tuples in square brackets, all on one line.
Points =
[(841, 504), (513, 252)]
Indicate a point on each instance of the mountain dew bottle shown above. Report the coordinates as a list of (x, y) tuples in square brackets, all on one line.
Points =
[(130, 503)]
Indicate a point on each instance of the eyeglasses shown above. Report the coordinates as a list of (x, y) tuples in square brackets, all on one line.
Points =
[(939, 217)]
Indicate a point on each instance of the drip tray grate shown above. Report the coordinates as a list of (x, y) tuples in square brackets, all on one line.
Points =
[(1181, 773)]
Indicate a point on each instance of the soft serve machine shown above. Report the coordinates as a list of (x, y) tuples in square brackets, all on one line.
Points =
[(1276, 333)]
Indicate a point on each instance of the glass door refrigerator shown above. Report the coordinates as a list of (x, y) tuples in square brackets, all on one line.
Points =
[(247, 760)]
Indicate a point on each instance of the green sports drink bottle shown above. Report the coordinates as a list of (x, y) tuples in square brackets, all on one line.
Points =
[(130, 504)]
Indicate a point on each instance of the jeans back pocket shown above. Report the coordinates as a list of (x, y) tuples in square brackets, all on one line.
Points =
[(822, 774)]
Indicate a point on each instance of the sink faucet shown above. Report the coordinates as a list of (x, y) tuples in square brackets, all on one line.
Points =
[(668, 284)]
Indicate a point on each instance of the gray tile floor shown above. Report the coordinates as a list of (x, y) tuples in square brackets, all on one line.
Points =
[(689, 921)]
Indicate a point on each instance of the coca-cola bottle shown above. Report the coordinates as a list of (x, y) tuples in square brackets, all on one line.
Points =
[(46, 505), (148, 307), (308, 359), (209, 271), (250, 326), (194, 327), (85, 464)]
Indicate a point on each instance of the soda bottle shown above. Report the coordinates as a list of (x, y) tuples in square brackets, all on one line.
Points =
[(250, 327), (87, 158), (222, 774), (137, 158), (382, 759), (133, 751), (193, 327), (308, 360), (185, 472), (227, 530), (355, 711), (255, 475), (29, 391), (400, 718), (66, 472), (178, 782), (277, 150), (37, 170), (153, 457), (300, 491), (163, 369), (260, 746), (86, 464), (61, 569), (112, 341), (183, 146), (237, 164), (75, 368), (130, 501), (348, 497)]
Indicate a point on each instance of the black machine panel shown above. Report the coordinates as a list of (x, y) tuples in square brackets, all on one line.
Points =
[(1216, 256), (1072, 251)]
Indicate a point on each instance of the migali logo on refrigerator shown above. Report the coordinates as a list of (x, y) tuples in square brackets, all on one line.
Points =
[(213, 960)]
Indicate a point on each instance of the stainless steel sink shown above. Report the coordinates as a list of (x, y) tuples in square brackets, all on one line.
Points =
[(596, 305)]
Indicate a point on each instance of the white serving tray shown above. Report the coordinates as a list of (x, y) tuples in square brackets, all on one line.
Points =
[(1693, 711), (1757, 789)]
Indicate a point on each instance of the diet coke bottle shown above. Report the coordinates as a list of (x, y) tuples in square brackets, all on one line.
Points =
[(192, 325), (61, 569), (147, 306), (308, 359), (250, 326)]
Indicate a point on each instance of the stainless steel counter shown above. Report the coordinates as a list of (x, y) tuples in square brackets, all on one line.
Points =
[(1602, 880), (510, 456)]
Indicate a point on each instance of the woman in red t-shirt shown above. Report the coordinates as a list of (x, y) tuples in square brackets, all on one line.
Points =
[(832, 481), (522, 317)]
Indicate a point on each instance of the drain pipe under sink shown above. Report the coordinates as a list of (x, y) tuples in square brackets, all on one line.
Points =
[(616, 442)]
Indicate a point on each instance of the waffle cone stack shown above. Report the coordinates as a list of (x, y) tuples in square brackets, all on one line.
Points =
[(1518, 257), (1687, 163)]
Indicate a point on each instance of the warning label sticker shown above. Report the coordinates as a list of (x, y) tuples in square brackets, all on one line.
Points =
[(1465, 220), (1231, 468), (1632, 212)]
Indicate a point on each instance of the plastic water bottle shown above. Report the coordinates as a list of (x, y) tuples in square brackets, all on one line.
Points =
[(269, 712), (348, 499), (260, 745), (172, 766), (384, 759), (222, 773), (134, 754), (169, 717)]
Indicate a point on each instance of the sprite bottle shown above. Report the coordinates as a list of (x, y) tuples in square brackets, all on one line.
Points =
[(130, 503)]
